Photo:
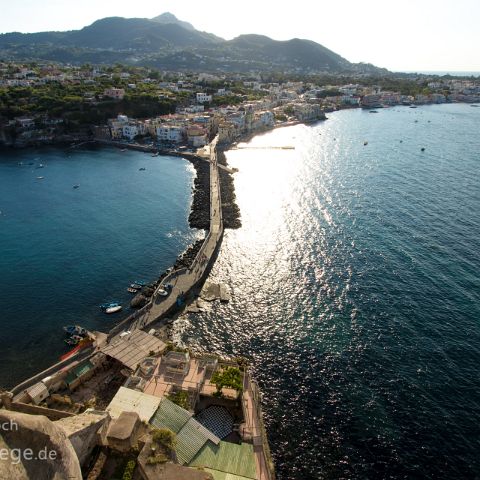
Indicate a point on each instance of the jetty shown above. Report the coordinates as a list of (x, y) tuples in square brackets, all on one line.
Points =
[(183, 283)]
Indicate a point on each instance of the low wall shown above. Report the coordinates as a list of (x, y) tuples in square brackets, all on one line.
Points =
[(36, 410)]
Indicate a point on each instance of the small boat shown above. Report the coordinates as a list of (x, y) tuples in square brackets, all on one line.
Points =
[(104, 306), (365, 143), (373, 111), (413, 106), (132, 290), (41, 165), (71, 341), (162, 292), (75, 330), (40, 178), (141, 169), (76, 186), (473, 105), (154, 154), (135, 286), (142, 283), (123, 150), (115, 309), (422, 149)]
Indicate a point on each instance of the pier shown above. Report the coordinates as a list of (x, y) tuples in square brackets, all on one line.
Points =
[(183, 282)]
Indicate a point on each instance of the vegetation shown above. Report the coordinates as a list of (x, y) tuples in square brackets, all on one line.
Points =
[(163, 444), (180, 398), (82, 103), (165, 438), (229, 377), (129, 469)]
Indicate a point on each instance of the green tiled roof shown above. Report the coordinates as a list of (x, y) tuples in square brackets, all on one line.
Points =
[(170, 415), (226, 457), (78, 371), (83, 368), (191, 438), (217, 475)]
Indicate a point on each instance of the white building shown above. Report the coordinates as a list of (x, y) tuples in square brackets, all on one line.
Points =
[(170, 133), (203, 97)]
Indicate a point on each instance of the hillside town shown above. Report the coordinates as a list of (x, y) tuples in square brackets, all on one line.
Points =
[(175, 109)]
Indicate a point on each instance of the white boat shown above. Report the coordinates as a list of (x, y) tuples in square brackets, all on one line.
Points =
[(114, 309), (162, 292)]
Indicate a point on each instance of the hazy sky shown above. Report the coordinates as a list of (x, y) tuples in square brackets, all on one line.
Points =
[(400, 35)]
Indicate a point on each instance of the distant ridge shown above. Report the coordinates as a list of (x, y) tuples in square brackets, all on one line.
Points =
[(169, 43)]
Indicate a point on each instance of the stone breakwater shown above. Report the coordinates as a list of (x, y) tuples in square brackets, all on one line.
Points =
[(200, 210), (230, 210)]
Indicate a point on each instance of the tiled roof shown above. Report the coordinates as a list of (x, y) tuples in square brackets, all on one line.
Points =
[(132, 348), (227, 457), (191, 438), (171, 416)]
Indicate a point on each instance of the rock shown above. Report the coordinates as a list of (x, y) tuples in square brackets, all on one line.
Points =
[(148, 291), (53, 456), (138, 301)]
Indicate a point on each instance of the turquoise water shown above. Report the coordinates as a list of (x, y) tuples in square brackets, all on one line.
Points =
[(64, 250), (355, 284)]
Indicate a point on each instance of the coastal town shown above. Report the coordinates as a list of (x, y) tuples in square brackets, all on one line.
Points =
[(172, 110), (129, 403)]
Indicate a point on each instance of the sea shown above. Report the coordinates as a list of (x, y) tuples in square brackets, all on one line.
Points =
[(355, 283), (65, 250), (354, 279)]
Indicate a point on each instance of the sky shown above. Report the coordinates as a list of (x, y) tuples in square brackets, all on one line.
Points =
[(407, 35)]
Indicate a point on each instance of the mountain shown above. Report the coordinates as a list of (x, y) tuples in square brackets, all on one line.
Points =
[(168, 43), (167, 17)]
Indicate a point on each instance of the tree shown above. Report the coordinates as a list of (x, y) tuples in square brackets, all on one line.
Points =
[(229, 377)]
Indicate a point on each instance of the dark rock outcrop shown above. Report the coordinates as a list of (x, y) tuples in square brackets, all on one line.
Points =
[(138, 301)]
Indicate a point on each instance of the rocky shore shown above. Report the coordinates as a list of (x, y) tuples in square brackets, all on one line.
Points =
[(230, 210)]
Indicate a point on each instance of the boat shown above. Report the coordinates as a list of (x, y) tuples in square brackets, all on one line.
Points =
[(115, 309), (41, 165), (141, 169), (132, 290), (71, 341), (135, 286), (422, 149), (76, 186), (75, 330), (162, 292), (142, 283), (373, 111), (40, 178), (365, 143), (473, 105), (413, 106), (104, 306), (123, 150), (154, 154)]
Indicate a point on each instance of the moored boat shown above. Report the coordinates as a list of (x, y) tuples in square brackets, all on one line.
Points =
[(114, 309), (75, 330), (132, 290)]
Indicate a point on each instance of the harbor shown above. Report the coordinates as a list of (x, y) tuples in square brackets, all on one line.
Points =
[(104, 370)]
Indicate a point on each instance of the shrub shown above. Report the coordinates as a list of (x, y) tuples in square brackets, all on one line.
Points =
[(128, 472), (180, 398), (229, 377), (164, 437)]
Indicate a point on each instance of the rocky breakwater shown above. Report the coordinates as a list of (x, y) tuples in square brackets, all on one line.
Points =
[(230, 210), (184, 260)]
